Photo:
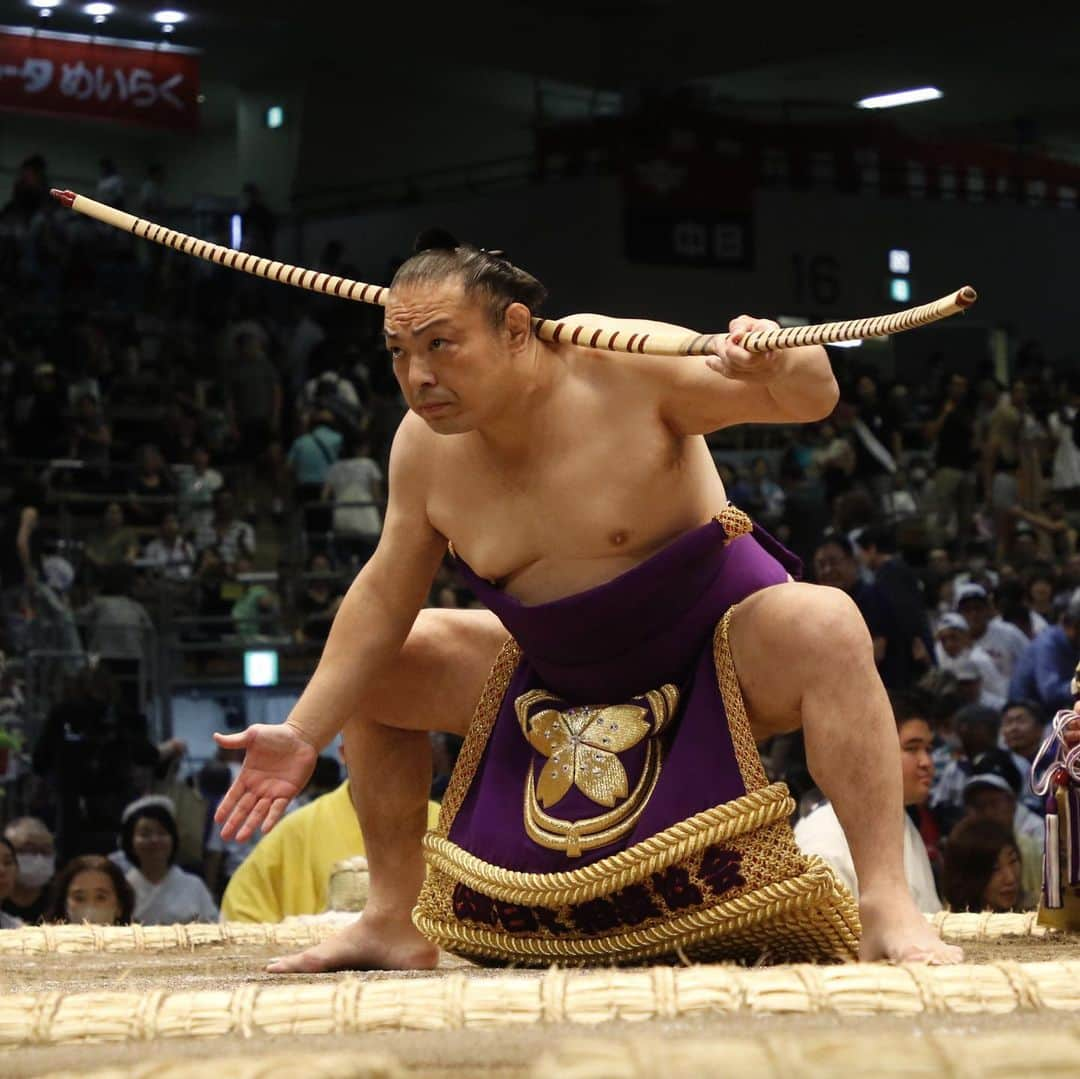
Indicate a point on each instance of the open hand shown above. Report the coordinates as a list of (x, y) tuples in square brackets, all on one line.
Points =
[(735, 362), (278, 762)]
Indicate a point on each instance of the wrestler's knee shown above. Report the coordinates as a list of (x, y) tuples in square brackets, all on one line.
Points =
[(826, 621), (811, 626)]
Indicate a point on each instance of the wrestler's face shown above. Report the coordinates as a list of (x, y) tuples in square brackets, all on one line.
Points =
[(450, 361)]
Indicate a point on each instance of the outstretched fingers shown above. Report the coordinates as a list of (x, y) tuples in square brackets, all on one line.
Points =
[(238, 814), (254, 818), (277, 811)]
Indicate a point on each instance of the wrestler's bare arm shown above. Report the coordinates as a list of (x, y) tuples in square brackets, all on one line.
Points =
[(791, 386), (381, 605)]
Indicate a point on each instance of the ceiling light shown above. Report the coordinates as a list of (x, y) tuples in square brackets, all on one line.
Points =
[(44, 4), (169, 16), (99, 11), (901, 97)]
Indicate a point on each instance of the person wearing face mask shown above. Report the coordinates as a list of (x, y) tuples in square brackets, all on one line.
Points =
[(8, 869), (90, 889), (35, 855), (164, 893)]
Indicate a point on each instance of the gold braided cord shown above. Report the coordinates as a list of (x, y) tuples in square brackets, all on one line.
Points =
[(672, 342), (736, 927), (735, 523), (839, 1054), (476, 737), (742, 736), (351, 1005), (657, 852)]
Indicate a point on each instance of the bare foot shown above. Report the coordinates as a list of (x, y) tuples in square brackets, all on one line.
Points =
[(370, 943), (895, 931)]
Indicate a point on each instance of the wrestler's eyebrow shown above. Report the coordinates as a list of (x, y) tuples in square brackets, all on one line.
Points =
[(419, 329)]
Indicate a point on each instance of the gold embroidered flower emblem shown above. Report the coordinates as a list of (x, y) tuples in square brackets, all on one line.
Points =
[(581, 746)]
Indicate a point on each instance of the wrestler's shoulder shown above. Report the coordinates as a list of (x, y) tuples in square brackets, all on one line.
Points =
[(415, 444)]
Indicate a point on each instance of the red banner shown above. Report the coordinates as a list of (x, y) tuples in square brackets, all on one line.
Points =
[(66, 75)]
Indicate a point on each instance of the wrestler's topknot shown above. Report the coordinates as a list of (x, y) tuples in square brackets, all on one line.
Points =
[(438, 255)]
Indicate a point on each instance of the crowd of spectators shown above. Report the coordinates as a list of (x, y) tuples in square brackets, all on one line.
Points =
[(197, 456)]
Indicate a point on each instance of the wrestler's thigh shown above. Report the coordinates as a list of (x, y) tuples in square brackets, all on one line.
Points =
[(790, 639), (436, 680)]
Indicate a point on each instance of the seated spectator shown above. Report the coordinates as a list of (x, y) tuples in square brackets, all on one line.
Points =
[(90, 436), (991, 793), (982, 867), (223, 856), (1004, 642), (954, 652), (1022, 733), (8, 871), (170, 552), (112, 543), (1040, 587), (310, 457), (164, 893), (352, 480), (910, 641), (1045, 669), (256, 612), (35, 853), (152, 490), (231, 537), (975, 729), (318, 601), (91, 889), (117, 625), (820, 832), (288, 872), (213, 605), (1011, 599), (198, 485), (91, 749), (836, 565), (768, 496)]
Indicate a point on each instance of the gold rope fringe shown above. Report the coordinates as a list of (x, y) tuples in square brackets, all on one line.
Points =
[(823, 1055), (739, 817), (351, 1005), (805, 916), (361, 1065)]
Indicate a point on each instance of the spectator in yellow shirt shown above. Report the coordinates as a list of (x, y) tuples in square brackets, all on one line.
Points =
[(288, 872)]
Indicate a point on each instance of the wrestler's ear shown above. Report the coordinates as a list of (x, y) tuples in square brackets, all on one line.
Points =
[(517, 322)]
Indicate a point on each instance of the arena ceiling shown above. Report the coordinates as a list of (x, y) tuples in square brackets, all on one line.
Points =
[(1006, 77)]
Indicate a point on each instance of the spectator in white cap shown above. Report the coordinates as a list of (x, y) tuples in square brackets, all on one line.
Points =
[(1000, 639), (164, 893), (955, 653)]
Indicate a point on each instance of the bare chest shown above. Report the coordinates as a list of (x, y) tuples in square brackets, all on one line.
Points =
[(606, 494)]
